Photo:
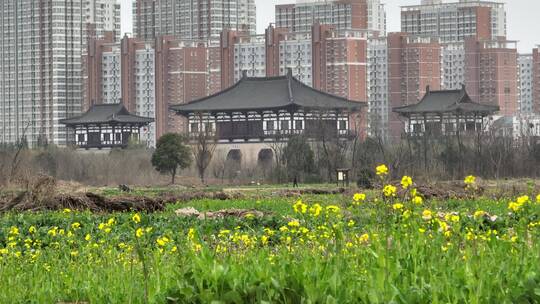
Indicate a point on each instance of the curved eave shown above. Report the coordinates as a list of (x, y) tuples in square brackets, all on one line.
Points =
[(112, 121), (487, 111), (357, 106)]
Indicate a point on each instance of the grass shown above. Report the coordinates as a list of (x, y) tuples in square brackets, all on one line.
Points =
[(312, 249)]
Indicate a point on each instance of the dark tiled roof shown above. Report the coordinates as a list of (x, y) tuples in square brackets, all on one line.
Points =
[(268, 93), (448, 101), (107, 113)]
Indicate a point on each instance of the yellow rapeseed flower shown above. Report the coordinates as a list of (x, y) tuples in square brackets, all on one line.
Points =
[(359, 197), (52, 231), (407, 214), (197, 247), (88, 237), (427, 215), (397, 206), (191, 234), (162, 241), (417, 200), (538, 198), (75, 225), (139, 233), (67, 210), (389, 191), (315, 210), (514, 206), (479, 214), (224, 233), (364, 238), (293, 224), (332, 208), (14, 230), (406, 182), (469, 180), (300, 207), (523, 200), (382, 170), (32, 230), (136, 218)]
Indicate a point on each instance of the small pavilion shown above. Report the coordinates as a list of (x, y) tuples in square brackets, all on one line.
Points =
[(267, 109), (106, 126), (445, 113)]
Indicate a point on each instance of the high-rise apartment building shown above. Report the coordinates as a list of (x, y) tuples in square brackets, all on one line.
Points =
[(491, 73), (377, 87), (488, 68), (121, 73), (413, 67), (455, 21), (250, 56), (525, 70), (185, 71), (149, 77), (271, 54), (102, 16), (536, 80), (453, 65), (40, 70), (192, 19), (340, 61), (342, 14), (330, 60)]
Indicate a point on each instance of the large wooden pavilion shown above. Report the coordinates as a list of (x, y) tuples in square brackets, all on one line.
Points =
[(269, 108)]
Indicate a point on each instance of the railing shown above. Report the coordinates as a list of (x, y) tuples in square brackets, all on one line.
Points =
[(279, 134)]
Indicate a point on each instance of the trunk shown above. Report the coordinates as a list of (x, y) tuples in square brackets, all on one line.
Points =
[(173, 176), (201, 175)]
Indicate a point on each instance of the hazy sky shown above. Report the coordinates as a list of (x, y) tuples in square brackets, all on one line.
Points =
[(522, 18)]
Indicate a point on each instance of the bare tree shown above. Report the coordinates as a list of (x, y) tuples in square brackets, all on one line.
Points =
[(278, 146), (204, 147), (219, 166), (20, 147)]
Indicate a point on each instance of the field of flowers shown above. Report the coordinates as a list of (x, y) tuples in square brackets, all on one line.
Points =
[(387, 246)]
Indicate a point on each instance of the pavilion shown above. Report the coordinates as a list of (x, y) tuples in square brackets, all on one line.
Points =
[(444, 113), (257, 111), (106, 126)]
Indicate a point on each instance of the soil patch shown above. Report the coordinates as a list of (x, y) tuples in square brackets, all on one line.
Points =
[(238, 213), (42, 195)]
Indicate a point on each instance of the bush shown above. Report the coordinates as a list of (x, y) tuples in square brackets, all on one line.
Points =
[(365, 179)]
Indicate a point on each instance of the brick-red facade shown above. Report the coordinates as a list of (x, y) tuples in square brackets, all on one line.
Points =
[(182, 75), (92, 63), (536, 80), (413, 65), (183, 72), (491, 74)]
